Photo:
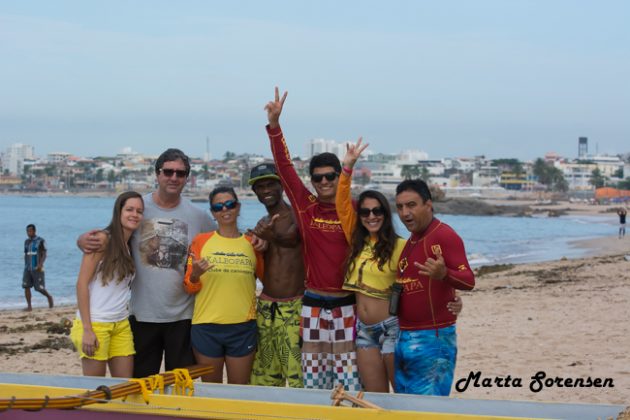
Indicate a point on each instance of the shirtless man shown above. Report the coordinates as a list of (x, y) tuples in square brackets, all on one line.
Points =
[(278, 359)]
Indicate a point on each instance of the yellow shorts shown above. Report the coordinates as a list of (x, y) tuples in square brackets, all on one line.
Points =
[(114, 339)]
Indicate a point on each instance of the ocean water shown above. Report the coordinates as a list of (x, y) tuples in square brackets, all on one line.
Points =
[(60, 220)]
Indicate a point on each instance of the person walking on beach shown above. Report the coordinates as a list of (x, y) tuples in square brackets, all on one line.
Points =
[(328, 312), (622, 222), (33, 276), (278, 359), (160, 309), (101, 332), (432, 266)]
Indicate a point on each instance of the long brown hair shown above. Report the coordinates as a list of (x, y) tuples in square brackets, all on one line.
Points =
[(387, 237), (117, 263)]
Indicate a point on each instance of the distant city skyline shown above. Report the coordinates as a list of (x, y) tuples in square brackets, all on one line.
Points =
[(502, 79), (312, 147)]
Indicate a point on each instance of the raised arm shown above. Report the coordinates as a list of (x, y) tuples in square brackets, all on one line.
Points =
[(274, 109), (343, 199), (296, 191)]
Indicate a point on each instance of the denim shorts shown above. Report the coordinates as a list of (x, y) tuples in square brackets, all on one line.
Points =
[(381, 335)]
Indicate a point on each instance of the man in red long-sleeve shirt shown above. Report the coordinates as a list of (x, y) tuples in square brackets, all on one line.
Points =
[(432, 265), (328, 313)]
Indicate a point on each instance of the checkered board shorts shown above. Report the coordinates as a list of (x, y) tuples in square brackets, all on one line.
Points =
[(328, 353)]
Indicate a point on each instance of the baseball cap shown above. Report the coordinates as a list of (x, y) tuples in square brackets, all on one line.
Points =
[(263, 171)]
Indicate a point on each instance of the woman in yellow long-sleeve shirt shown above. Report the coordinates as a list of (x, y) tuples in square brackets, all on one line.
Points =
[(221, 270)]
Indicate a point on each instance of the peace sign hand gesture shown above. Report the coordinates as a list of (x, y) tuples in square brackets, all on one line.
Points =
[(274, 109), (353, 152)]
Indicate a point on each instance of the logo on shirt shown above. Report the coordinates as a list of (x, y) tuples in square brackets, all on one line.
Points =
[(326, 224), (411, 285), (231, 262), (436, 249), (402, 264)]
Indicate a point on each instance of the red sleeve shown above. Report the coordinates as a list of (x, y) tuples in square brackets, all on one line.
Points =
[(298, 194), (458, 272)]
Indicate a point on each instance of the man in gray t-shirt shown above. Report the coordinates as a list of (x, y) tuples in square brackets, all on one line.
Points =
[(160, 309), (159, 248)]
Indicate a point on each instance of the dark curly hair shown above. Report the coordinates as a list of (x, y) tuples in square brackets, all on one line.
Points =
[(324, 159), (387, 237)]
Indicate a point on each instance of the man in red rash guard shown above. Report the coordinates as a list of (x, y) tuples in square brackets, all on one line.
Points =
[(328, 312), (432, 265)]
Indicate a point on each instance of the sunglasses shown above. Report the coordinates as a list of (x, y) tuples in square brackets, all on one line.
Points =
[(330, 176), (169, 172), (217, 207), (376, 211)]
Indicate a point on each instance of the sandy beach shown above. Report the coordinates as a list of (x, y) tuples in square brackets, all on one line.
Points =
[(566, 318)]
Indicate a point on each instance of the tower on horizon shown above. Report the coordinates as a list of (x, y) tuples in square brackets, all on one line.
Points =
[(582, 147)]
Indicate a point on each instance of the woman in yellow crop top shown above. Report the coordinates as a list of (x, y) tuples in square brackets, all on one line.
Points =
[(371, 270), (375, 249), (221, 271)]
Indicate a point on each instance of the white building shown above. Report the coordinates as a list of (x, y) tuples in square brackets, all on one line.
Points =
[(13, 158), (58, 157), (412, 156), (608, 165), (317, 146), (385, 177)]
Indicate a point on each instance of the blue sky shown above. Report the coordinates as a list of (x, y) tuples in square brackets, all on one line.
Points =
[(452, 78)]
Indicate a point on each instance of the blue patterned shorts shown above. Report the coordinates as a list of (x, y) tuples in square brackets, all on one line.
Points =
[(425, 361)]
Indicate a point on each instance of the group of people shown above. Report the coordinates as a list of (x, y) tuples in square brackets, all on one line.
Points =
[(345, 300)]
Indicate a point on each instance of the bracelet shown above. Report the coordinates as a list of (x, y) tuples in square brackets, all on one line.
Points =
[(347, 170)]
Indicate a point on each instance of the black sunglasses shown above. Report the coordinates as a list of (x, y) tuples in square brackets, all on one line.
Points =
[(217, 207), (169, 172), (376, 211), (330, 176)]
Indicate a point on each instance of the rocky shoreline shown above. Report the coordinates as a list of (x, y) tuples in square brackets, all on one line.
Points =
[(477, 207)]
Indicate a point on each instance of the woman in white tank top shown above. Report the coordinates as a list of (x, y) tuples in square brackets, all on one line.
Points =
[(101, 331)]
